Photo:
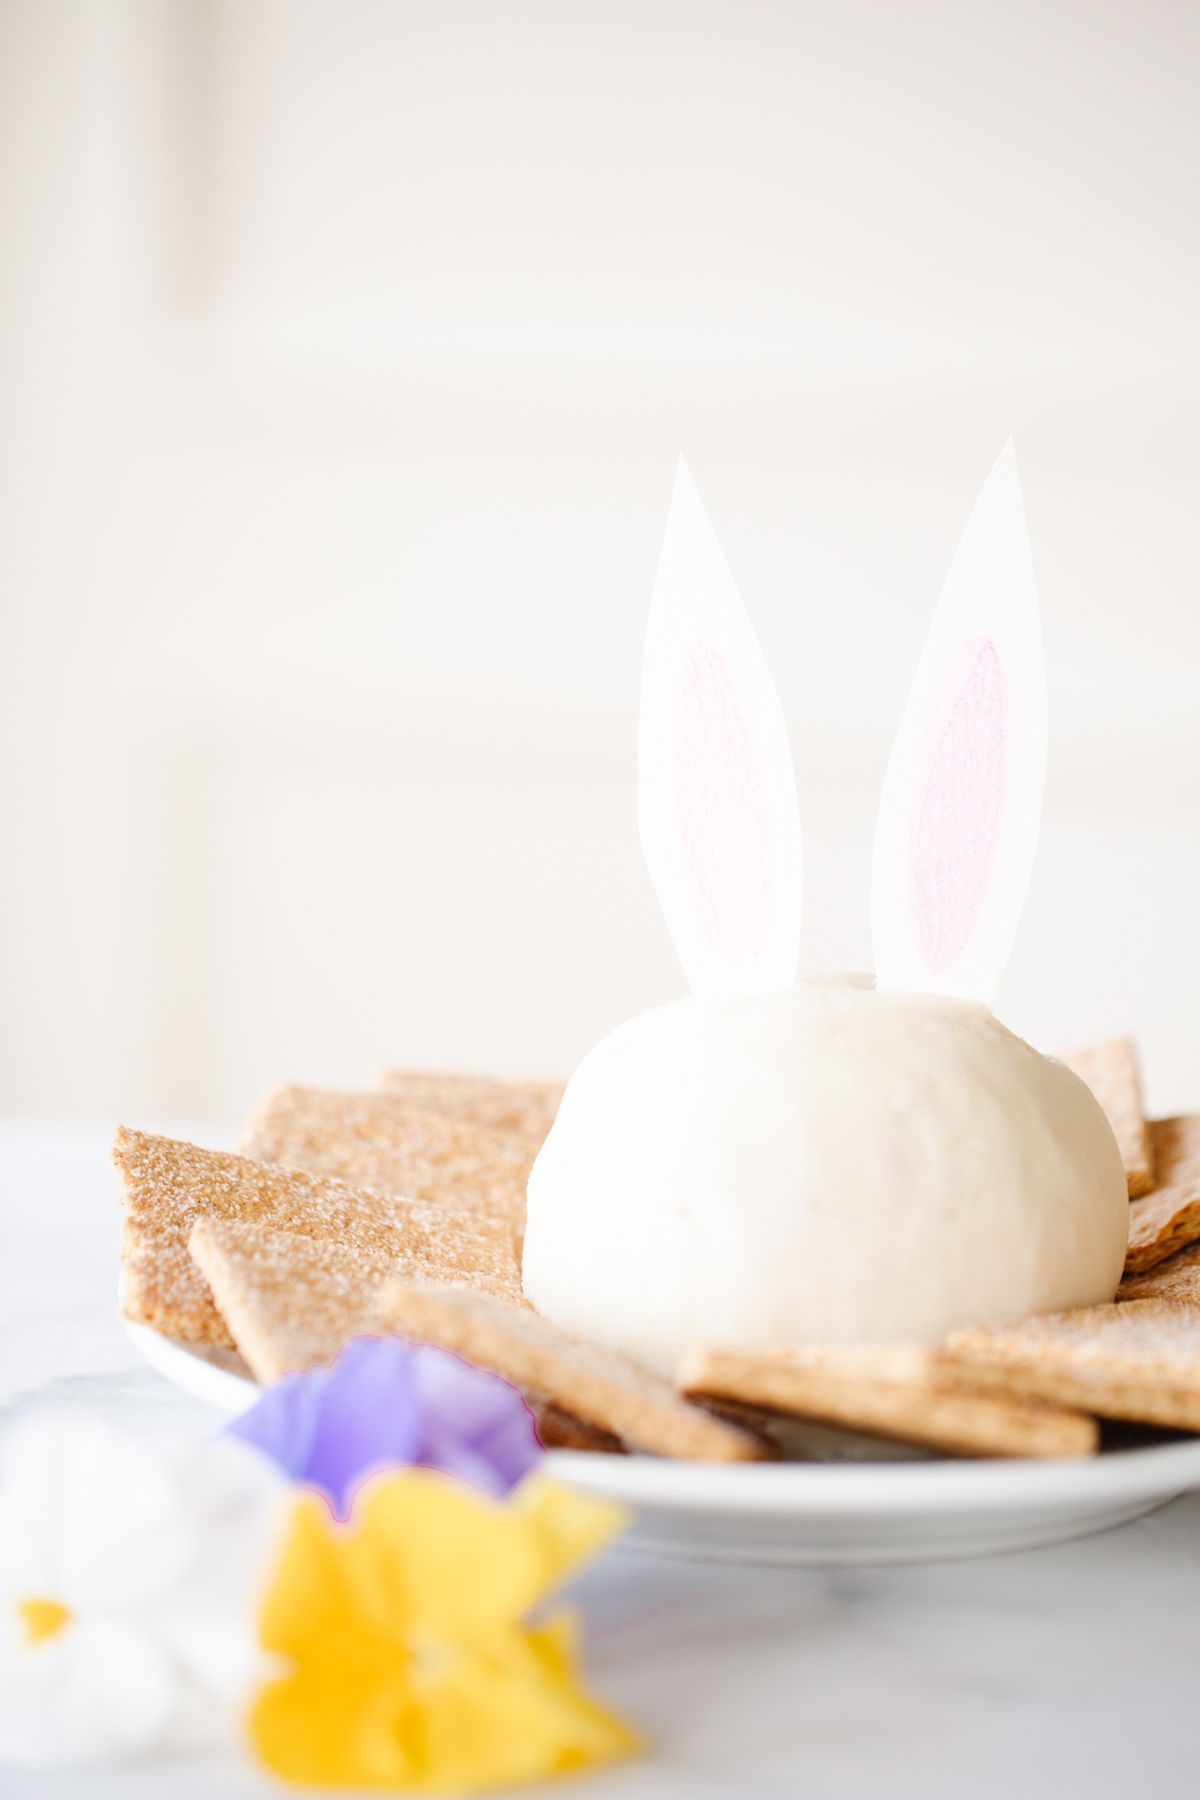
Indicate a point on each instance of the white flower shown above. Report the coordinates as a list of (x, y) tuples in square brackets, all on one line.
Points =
[(128, 1582)]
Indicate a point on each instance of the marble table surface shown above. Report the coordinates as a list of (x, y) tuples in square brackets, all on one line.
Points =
[(1057, 1672)]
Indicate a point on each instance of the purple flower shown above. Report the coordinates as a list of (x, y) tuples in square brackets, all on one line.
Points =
[(386, 1404)]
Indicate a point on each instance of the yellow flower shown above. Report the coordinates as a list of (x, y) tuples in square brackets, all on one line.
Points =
[(412, 1665)]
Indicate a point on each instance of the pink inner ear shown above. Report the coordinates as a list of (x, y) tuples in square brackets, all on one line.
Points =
[(956, 820), (721, 800)]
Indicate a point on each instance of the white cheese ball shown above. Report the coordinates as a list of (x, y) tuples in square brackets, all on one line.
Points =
[(831, 1163)]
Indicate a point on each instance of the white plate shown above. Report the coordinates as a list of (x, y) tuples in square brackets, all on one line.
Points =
[(815, 1512)]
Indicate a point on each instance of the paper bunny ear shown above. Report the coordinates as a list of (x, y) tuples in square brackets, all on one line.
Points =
[(962, 800), (717, 808)]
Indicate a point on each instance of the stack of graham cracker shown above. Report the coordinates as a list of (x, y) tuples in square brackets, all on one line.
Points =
[(402, 1210)]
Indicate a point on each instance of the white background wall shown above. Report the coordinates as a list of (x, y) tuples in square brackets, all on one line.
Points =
[(346, 349)]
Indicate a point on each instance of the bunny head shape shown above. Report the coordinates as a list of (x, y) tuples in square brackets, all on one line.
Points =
[(959, 816), (771, 1160)]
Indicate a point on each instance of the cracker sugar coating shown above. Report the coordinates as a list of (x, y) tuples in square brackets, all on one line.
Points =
[(1160, 1224), (524, 1107), (903, 1392), (383, 1142), (1138, 1359), (168, 1185)]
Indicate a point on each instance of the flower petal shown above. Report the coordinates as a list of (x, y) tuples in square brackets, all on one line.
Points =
[(441, 1557), (369, 1419), (94, 1692), (569, 1526), (283, 1423), (476, 1426), (97, 1510), (454, 1717), (316, 1589), (433, 1553), (236, 1504), (334, 1723), (513, 1712)]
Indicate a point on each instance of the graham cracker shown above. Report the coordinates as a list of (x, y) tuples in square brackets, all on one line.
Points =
[(293, 1302), (1176, 1279), (290, 1302), (168, 1185), (602, 1389), (1176, 1148), (1139, 1359), (527, 1107), (1111, 1071), (897, 1391), (381, 1142), (1160, 1224)]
